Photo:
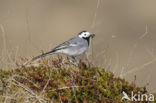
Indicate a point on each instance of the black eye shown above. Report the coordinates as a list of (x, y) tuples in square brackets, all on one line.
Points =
[(85, 34)]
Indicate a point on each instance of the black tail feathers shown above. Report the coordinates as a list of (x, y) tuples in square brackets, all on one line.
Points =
[(43, 55)]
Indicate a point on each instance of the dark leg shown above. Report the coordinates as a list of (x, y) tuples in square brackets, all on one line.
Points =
[(68, 59), (74, 60)]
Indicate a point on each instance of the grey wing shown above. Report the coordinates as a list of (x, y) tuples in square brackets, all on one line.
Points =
[(70, 43)]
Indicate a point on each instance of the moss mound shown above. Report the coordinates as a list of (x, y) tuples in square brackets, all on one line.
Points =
[(54, 81)]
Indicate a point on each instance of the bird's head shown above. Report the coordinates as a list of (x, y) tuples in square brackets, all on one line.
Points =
[(85, 35)]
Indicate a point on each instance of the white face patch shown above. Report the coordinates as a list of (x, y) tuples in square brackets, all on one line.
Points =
[(84, 34)]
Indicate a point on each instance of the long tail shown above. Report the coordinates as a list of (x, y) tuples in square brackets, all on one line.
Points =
[(43, 55)]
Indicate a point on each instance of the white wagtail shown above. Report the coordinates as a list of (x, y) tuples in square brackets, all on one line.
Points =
[(73, 47)]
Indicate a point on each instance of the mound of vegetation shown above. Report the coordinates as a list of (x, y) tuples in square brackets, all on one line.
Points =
[(52, 81)]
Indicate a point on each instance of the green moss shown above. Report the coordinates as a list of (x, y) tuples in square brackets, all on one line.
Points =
[(70, 84)]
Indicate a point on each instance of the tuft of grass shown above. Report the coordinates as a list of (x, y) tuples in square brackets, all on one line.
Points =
[(57, 81)]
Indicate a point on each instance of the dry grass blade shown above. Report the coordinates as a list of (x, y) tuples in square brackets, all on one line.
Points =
[(28, 90)]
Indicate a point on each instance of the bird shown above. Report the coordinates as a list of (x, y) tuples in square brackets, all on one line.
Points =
[(75, 46)]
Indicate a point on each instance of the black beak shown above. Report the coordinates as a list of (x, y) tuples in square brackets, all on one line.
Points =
[(92, 35)]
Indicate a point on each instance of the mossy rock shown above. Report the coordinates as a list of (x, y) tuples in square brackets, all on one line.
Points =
[(67, 83)]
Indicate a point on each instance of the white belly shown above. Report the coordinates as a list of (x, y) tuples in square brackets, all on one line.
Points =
[(74, 51)]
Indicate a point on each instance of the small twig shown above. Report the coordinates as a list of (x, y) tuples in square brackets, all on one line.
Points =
[(45, 86), (145, 33), (117, 62), (8, 97), (28, 90), (67, 88), (92, 51), (95, 14), (121, 74), (16, 54), (141, 67), (4, 37), (27, 80), (28, 26)]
